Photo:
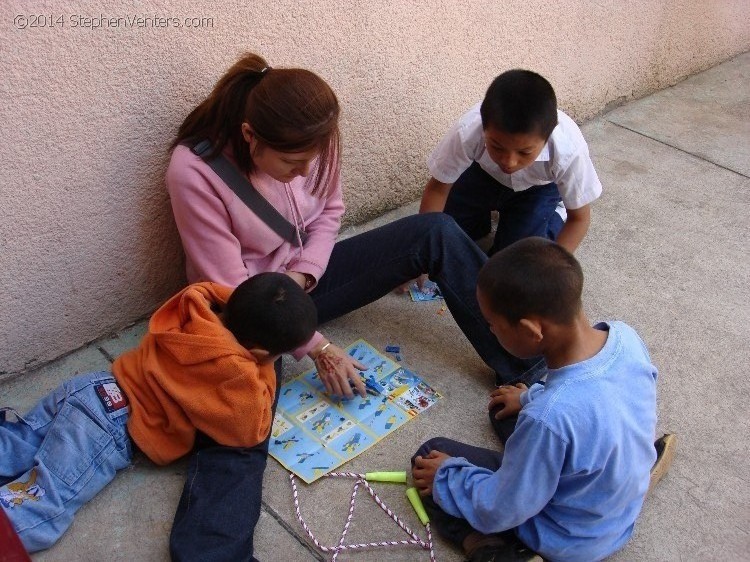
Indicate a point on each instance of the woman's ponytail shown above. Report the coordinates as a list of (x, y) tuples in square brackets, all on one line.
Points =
[(220, 116)]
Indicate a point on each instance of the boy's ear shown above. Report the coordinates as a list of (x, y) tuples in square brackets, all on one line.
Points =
[(532, 329)]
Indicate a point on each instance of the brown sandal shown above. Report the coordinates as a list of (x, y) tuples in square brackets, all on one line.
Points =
[(665, 449)]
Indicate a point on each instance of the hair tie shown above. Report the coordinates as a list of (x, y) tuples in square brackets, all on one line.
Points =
[(265, 69)]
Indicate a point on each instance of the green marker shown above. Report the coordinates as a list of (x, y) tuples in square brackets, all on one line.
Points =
[(416, 503), (386, 477)]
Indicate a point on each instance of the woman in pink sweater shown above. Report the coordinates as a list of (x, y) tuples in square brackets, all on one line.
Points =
[(278, 127)]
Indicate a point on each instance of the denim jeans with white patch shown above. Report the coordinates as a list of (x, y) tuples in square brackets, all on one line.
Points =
[(61, 454)]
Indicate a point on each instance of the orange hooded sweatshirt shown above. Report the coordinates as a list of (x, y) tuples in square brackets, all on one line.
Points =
[(189, 373)]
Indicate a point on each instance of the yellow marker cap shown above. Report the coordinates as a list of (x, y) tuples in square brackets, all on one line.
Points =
[(416, 503), (386, 476)]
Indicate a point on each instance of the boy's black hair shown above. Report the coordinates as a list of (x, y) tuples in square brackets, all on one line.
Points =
[(272, 312), (520, 101), (533, 277)]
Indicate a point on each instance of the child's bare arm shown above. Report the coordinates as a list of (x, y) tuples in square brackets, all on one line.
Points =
[(575, 229), (434, 197), (510, 397)]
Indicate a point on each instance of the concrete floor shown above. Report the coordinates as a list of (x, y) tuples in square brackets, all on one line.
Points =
[(667, 252)]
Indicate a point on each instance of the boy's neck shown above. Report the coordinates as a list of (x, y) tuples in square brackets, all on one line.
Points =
[(571, 344)]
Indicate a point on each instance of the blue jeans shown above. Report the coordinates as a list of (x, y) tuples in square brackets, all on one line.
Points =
[(61, 454), (368, 266), (221, 500), (526, 213)]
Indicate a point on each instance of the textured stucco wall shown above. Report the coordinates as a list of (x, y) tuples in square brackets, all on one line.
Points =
[(88, 242)]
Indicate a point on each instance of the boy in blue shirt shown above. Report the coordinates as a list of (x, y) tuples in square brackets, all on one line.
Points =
[(575, 469), (515, 153)]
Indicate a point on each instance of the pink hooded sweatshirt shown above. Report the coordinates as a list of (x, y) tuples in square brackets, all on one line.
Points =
[(225, 242)]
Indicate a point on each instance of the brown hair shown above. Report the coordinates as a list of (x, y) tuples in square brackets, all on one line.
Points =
[(289, 110)]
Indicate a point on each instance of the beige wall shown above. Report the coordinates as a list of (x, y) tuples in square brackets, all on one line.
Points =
[(88, 242)]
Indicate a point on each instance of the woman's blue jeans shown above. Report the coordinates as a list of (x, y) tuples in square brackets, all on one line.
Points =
[(368, 266)]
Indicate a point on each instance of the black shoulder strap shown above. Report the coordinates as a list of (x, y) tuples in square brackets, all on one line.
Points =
[(242, 187)]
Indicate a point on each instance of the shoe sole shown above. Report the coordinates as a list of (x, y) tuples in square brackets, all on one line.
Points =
[(664, 458)]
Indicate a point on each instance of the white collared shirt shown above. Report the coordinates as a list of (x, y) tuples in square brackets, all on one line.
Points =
[(564, 160)]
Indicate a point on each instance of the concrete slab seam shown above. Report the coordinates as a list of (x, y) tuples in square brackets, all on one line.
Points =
[(288, 528), (679, 149), (105, 353)]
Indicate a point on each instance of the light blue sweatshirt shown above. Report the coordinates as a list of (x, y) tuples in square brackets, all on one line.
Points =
[(576, 468)]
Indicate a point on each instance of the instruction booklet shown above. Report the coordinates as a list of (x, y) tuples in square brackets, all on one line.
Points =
[(313, 433)]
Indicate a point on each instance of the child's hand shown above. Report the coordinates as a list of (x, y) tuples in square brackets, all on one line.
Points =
[(510, 397), (424, 469), (420, 281)]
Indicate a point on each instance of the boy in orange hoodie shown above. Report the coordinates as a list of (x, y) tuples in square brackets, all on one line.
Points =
[(201, 380)]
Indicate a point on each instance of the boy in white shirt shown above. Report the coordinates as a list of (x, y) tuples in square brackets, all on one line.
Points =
[(515, 153)]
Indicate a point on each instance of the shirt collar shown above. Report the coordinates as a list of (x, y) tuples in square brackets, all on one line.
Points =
[(544, 154)]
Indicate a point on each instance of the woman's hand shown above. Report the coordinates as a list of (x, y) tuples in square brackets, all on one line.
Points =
[(338, 370), (304, 280), (510, 397)]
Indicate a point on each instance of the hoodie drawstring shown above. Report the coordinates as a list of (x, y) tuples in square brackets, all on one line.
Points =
[(296, 216)]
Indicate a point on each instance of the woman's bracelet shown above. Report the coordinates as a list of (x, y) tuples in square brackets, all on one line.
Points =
[(322, 349)]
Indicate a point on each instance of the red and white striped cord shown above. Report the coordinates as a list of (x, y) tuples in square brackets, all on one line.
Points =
[(361, 481)]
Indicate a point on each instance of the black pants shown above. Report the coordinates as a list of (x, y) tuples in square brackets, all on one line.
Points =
[(221, 500), (530, 212)]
